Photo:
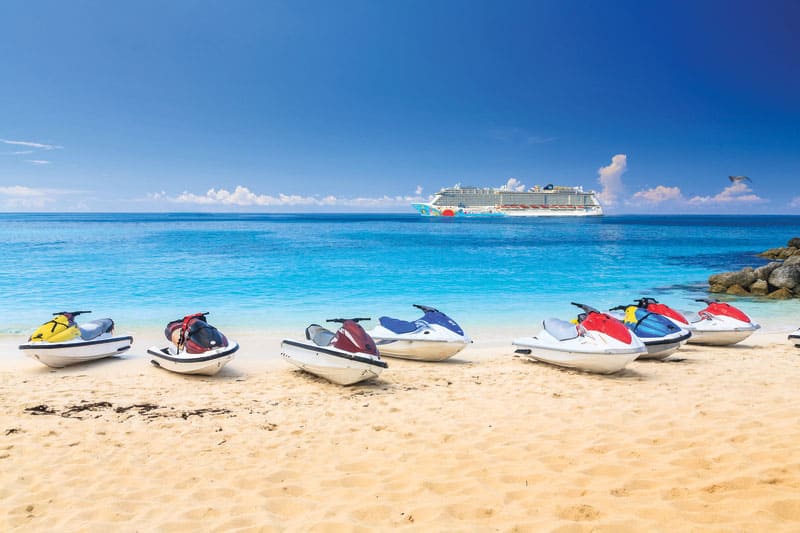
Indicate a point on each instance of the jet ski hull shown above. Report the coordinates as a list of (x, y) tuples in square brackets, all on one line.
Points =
[(712, 330), (795, 338), (419, 350), (710, 337), (337, 366), (61, 354), (663, 347), (205, 364), (585, 358)]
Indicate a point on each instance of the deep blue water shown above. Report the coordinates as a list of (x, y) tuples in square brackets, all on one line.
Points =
[(284, 271)]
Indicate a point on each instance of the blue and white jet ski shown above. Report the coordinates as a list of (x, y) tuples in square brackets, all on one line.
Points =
[(795, 338), (432, 337), (660, 335)]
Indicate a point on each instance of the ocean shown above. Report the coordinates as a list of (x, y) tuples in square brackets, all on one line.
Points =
[(282, 272)]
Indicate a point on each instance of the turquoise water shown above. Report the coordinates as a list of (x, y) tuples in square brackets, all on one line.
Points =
[(284, 271)]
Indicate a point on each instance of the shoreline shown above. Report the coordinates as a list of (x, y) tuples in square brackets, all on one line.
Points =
[(485, 441), (263, 343)]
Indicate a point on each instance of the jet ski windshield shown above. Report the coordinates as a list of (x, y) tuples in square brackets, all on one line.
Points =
[(434, 316)]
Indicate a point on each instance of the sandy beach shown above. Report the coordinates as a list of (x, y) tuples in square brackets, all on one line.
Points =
[(706, 441)]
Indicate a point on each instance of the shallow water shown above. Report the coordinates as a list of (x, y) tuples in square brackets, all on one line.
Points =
[(285, 271)]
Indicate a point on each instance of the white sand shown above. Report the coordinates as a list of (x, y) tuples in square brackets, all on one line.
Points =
[(708, 441)]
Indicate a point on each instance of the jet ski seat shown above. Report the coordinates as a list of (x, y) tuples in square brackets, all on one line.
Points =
[(560, 329), (693, 317), (95, 328), (319, 335), (395, 325)]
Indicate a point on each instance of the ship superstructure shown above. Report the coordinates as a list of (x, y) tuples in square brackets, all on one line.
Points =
[(550, 200)]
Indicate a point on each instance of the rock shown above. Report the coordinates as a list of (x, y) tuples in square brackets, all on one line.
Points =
[(772, 253), (764, 271), (744, 278), (779, 279), (794, 260), (779, 253), (785, 277), (759, 288), (737, 290), (780, 294)]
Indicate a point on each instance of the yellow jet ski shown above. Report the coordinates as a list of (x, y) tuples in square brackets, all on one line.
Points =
[(61, 341)]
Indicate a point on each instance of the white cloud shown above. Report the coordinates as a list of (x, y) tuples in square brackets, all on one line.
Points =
[(736, 193), (795, 202), (242, 196), (21, 191), (611, 179), (38, 146), (418, 190), (513, 184), (38, 161), (22, 197), (660, 194)]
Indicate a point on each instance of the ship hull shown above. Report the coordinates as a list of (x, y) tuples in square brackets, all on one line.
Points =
[(429, 210)]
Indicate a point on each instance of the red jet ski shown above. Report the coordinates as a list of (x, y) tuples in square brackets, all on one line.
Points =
[(348, 356)]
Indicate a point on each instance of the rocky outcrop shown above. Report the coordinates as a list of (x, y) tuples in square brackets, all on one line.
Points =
[(779, 253), (777, 280)]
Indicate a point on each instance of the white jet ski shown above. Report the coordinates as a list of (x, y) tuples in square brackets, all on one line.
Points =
[(62, 342), (432, 337), (795, 338), (599, 343), (718, 324), (345, 357), (660, 335), (197, 347)]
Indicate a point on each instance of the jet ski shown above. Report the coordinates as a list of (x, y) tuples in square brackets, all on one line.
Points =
[(61, 341), (795, 338), (196, 347), (660, 335), (345, 357), (718, 324), (596, 343), (432, 337)]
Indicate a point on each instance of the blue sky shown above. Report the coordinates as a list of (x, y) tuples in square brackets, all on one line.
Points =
[(352, 106)]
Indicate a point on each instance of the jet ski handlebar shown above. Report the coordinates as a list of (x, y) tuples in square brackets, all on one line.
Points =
[(644, 302), (619, 308), (587, 308), (706, 300), (343, 320), (71, 313), (425, 308)]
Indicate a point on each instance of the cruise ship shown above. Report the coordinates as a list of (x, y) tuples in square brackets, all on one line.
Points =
[(550, 200)]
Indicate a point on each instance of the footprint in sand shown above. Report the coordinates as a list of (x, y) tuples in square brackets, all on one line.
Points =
[(579, 513)]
